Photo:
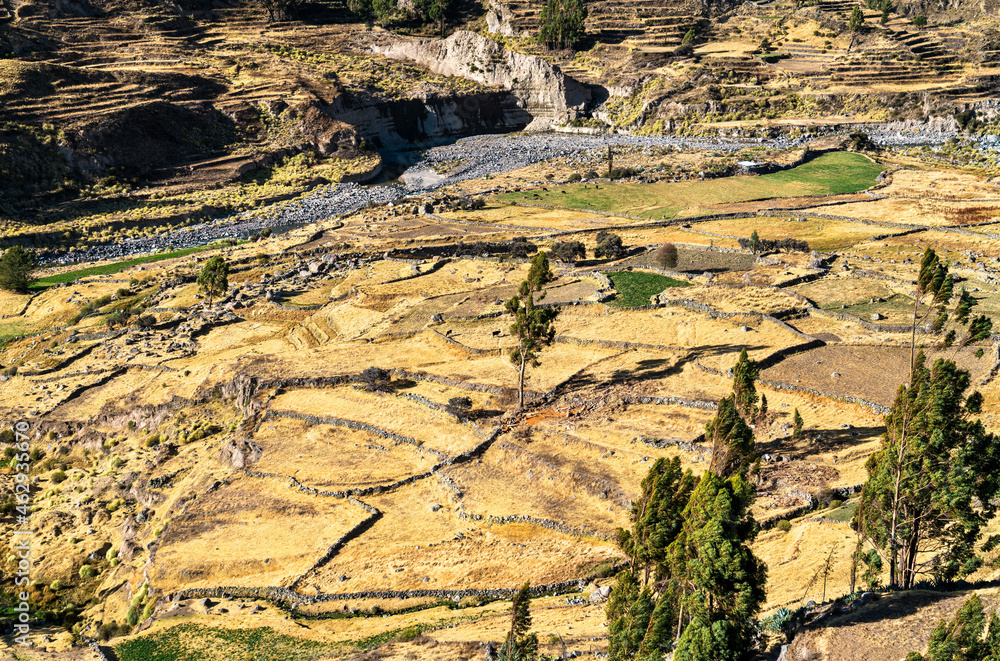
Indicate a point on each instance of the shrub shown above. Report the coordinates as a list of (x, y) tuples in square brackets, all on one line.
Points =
[(88, 571), (835, 503), (460, 406), (377, 379), (622, 173), (575, 177), (107, 631), (666, 256), (920, 20), (609, 245), (784, 525), (520, 247), (568, 251), (56, 585), (58, 477), (408, 634), (152, 440)]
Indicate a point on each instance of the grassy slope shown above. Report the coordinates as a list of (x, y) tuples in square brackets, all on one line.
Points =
[(191, 641), (830, 173)]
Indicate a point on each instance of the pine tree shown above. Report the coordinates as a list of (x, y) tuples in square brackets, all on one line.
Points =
[(519, 644), (857, 21), (214, 278), (561, 23), (797, 423), (731, 438), (745, 373), (16, 266), (656, 518), (704, 586), (963, 638), (723, 586), (754, 242), (932, 483), (532, 325)]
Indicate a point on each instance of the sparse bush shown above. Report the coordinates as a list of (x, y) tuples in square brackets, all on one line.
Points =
[(56, 585), (152, 440), (58, 477), (107, 631), (88, 571), (784, 525)]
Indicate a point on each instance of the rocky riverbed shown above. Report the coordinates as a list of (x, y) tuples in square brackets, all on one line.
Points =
[(476, 156)]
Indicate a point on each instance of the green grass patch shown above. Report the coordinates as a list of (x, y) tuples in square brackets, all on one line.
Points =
[(116, 267), (635, 287), (195, 642), (844, 513), (108, 269), (829, 173), (896, 308)]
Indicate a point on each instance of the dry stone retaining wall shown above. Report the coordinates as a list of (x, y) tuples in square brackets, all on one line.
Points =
[(781, 385), (352, 424)]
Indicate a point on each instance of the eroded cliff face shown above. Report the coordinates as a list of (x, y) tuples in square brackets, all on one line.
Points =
[(541, 89), (433, 116)]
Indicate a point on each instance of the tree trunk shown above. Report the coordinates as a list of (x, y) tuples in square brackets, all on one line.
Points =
[(520, 384), (910, 558)]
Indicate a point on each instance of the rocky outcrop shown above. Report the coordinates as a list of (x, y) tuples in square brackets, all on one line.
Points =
[(499, 19), (541, 89), (239, 453), (430, 116)]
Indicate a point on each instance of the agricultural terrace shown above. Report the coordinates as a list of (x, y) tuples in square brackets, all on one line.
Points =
[(339, 430)]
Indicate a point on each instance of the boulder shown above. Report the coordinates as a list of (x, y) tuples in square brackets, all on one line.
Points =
[(600, 594)]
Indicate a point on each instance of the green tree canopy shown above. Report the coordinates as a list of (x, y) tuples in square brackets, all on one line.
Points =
[(932, 483), (963, 639), (532, 325), (520, 645), (436, 11), (16, 266), (561, 23), (857, 21), (745, 373), (707, 586), (214, 278)]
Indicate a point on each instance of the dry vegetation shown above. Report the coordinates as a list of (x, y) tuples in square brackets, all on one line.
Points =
[(159, 425)]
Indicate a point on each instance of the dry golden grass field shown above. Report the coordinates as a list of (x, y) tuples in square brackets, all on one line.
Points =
[(192, 451)]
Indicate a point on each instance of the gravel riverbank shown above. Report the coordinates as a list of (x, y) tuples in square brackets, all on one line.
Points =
[(477, 156)]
